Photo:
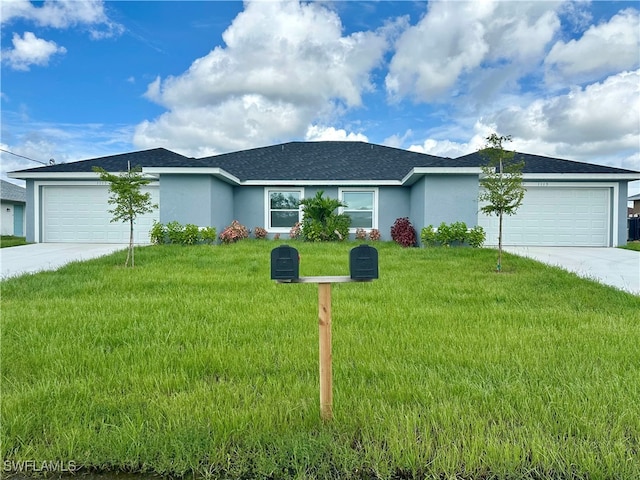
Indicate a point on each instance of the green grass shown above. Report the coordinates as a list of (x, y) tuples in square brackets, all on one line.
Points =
[(196, 363), (635, 246), (11, 241)]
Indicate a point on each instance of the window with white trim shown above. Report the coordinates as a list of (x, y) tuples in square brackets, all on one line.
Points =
[(283, 208), (362, 206)]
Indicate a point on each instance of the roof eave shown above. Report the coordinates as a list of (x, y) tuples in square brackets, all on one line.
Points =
[(213, 171), (581, 176), (311, 182), (58, 175), (417, 172), (53, 175)]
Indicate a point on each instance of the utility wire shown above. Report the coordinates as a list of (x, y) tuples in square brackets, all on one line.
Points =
[(22, 156)]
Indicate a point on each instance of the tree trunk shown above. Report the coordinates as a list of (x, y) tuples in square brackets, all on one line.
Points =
[(500, 225), (131, 244), (500, 244)]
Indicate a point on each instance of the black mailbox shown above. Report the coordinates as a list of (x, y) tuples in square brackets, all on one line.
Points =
[(363, 263), (285, 263)]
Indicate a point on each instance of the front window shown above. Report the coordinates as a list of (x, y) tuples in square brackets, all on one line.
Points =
[(283, 208), (361, 207)]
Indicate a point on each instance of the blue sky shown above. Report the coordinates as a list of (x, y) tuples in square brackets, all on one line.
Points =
[(92, 78)]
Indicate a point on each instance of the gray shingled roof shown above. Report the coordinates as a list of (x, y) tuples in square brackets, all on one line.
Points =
[(540, 164), (12, 192), (325, 161), (156, 157), (319, 161)]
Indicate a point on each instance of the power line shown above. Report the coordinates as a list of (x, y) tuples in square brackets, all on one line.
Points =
[(51, 162)]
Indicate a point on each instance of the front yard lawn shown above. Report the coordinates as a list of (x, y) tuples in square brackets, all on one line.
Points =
[(196, 363), (11, 241), (632, 246)]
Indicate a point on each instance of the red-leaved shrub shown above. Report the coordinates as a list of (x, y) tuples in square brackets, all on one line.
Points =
[(402, 232), (295, 231), (259, 233), (361, 234), (234, 232)]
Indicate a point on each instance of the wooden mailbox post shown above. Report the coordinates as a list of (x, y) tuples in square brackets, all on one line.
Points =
[(363, 264)]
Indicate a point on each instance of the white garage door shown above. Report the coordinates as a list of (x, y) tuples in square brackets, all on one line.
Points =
[(81, 214), (556, 216)]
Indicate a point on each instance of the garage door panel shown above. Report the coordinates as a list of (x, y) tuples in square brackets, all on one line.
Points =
[(555, 216), (81, 214)]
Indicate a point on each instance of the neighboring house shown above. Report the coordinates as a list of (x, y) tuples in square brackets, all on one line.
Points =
[(13, 200), (635, 210), (567, 202)]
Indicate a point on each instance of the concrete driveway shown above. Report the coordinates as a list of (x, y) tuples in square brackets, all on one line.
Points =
[(616, 267), (49, 256)]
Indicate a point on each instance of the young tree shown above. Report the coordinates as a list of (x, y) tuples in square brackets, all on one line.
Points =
[(129, 201), (501, 183)]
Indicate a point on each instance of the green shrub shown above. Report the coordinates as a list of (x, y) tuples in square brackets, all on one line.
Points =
[(456, 233), (476, 236), (208, 235), (428, 236), (339, 225), (190, 234), (158, 233), (175, 232), (444, 235), (333, 229), (321, 223)]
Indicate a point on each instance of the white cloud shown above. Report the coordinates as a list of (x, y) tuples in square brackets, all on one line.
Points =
[(30, 50), (454, 39), (598, 123), (603, 49), (601, 112), (284, 67), (452, 149), (317, 133), (63, 14)]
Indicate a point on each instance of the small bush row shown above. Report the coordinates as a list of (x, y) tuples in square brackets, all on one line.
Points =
[(455, 233), (373, 235), (175, 232), (402, 232)]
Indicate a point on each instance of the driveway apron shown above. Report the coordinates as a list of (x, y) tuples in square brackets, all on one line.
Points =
[(49, 256)]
